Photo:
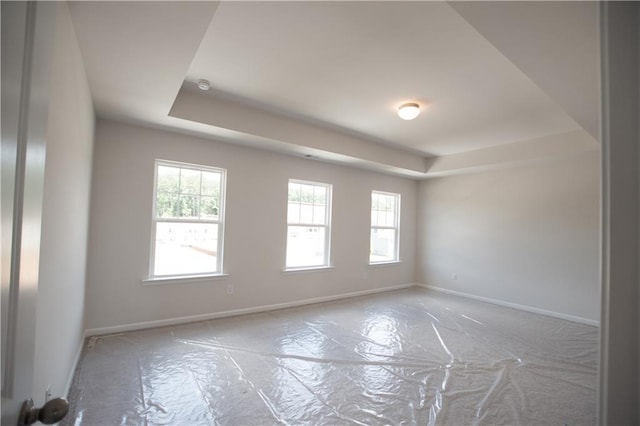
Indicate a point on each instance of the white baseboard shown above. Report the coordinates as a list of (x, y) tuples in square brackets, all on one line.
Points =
[(514, 305), (234, 312), (67, 387)]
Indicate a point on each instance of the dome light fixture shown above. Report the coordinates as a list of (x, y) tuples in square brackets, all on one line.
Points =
[(204, 84), (409, 111)]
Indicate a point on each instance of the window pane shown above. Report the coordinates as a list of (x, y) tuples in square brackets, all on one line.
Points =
[(193, 193), (306, 213), (319, 215), (319, 195), (389, 219), (293, 213), (385, 202), (168, 179), (384, 213), (375, 201), (188, 206), (294, 192), (209, 208), (211, 184), (306, 193), (189, 181), (305, 246), (185, 248), (167, 205), (383, 247)]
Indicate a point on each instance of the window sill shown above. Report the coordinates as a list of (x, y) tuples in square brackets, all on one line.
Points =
[(307, 269), (392, 262), (182, 279)]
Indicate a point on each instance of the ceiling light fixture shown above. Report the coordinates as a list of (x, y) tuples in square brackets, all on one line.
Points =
[(409, 111), (203, 84)]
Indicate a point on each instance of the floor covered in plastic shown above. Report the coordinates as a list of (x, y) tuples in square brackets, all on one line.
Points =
[(406, 357)]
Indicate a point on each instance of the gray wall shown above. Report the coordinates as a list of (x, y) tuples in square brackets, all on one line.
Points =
[(526, 235), (61, 290), (255, 233), (620, 331)]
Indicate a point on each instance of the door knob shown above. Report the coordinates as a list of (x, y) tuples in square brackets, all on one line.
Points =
[(50, 413)]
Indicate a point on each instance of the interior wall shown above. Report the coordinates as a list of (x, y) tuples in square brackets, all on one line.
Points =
[(61, 290), (525, 235), (255, 235)]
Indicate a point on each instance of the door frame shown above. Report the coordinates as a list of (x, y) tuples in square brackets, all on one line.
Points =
[(27, 44)]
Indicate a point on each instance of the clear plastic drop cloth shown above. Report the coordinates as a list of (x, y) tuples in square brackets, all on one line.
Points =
[(410, 357)]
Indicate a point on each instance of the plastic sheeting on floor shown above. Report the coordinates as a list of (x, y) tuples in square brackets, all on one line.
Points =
[(406, 357)]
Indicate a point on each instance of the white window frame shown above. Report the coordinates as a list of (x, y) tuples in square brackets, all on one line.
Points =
[(220, 221), (327, 226), (395, 227)]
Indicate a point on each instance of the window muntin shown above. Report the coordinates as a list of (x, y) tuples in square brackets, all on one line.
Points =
[(187, 220), (308, 224), (385, 225)]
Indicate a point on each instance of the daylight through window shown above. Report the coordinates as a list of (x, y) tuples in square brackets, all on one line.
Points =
[(385, 223), (187, 220), (308, 219)]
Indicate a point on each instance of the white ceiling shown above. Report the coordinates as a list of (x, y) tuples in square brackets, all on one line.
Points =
[(351, 64), (302, 76)]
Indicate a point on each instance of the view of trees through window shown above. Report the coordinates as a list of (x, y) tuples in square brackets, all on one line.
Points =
[(187, 220), (187, 193)]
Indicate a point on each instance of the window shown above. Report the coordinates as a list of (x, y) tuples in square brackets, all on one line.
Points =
[(187, 220), (385, 224), (308, 219)]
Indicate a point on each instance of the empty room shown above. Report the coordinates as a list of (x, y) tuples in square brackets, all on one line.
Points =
[(320, 213)]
